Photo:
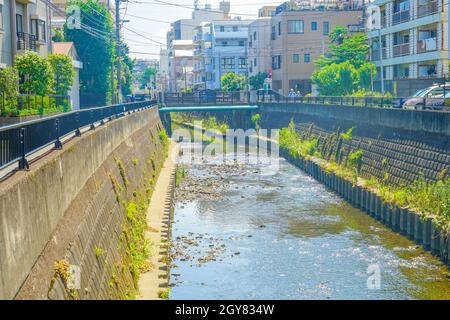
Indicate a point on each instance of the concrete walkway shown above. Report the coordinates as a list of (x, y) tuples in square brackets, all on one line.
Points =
[(158, 219)]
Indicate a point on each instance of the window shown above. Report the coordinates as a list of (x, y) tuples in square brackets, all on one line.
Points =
[(273, 32), (254, 35), (314, 25), (1, 16), (254, 62), (235, 28), (19, 23), (307, 58), (279, 28), (296, 26), (222, 29), (295, 58), (242, 63), (276, 62), (224, 44), (41, 30), (34, 27), (241, 43), (227, 63), (326, 28)]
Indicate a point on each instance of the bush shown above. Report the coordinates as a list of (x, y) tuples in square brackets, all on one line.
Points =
[(9, 86), (36, 72), (63, 73)]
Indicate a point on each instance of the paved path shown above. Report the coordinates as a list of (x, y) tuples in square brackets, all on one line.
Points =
[(158, 217)]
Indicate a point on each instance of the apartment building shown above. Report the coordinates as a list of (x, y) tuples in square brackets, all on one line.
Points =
[(414, 43), (259, 38), (181, 65), (220, 47), (24, 25), (59, 13), (183, 30), (298, 37)]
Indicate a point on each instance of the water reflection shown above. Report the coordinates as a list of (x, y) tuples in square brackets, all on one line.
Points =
[(284, 236)]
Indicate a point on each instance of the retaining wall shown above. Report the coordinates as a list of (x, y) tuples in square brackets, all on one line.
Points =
[(71, 206), (401, 220), (398, 145)]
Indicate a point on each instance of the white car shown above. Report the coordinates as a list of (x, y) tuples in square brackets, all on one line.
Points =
[(427, 98)]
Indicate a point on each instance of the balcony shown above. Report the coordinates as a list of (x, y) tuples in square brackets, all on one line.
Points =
[(376, 54), (26, 41), (427, 45), (400, 17), (400, 50), (427, 9)]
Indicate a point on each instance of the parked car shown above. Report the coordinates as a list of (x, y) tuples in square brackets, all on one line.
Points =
[(428, 98)]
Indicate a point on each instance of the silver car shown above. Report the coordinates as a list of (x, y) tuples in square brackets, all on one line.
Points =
[(428, 98)]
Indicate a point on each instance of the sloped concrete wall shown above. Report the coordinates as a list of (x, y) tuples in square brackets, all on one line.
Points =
[(54, 198), (398, 145)]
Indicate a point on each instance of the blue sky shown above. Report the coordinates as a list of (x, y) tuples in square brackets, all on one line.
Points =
[(157, 30)]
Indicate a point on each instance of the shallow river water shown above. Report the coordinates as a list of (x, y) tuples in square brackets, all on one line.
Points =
[(248, 232)]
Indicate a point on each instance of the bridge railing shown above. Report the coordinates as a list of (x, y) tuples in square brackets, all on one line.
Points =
[(19, 141), (436, 103), (206, 98)]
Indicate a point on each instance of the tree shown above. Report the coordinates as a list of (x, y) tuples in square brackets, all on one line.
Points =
[(9, 85), (127, 71), (233, 82), (257, 81), (95, 49), (345, 69), (146, 77), (63, 73), (58, 35), (36, 72)]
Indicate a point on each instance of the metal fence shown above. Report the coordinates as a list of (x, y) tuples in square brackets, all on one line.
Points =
[(30, 102), (206, 97), (417, 103), (19, 141)]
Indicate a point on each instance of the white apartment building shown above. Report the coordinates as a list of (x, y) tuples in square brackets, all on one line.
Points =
[(414, 37), (24, 25), (183, 30)]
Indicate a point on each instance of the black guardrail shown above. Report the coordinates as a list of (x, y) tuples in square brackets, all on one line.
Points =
[(19, 141), (413, 103)]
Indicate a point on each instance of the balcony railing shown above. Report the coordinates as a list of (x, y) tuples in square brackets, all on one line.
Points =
[(376, 54), (401, 50), (427, 9), (427, 45), (400, 17), (26, 41)]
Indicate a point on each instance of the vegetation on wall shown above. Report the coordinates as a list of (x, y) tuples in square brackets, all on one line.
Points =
[(429, 199)]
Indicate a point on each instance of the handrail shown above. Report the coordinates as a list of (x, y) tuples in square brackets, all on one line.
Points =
[(20, 140)]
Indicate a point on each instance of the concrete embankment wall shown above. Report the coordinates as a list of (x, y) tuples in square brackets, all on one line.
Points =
[(71, 207), (402, 220), (398, 145)]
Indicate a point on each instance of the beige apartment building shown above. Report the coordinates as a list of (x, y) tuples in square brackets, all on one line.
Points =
[(298, 38)]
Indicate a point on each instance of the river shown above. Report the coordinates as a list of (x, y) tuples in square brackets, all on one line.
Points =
[(252, 232)]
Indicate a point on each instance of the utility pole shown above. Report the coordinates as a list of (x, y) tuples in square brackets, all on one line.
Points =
[(118, 52)]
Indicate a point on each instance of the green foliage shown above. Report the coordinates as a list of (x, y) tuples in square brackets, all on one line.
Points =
[(96, 53), (346, 68), (99, 252), (127, 71), (257, 81), (256, 118), (58, 35), (164, 294), (355, 159), (163, 137), (212, 123), (146, 77), (181, 173), (297, 147), (347, 136), (233, 82), (9, 85), (63, 73), (37, 74)]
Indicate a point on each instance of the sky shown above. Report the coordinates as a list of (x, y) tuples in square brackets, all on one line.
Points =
[(148, 36)]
